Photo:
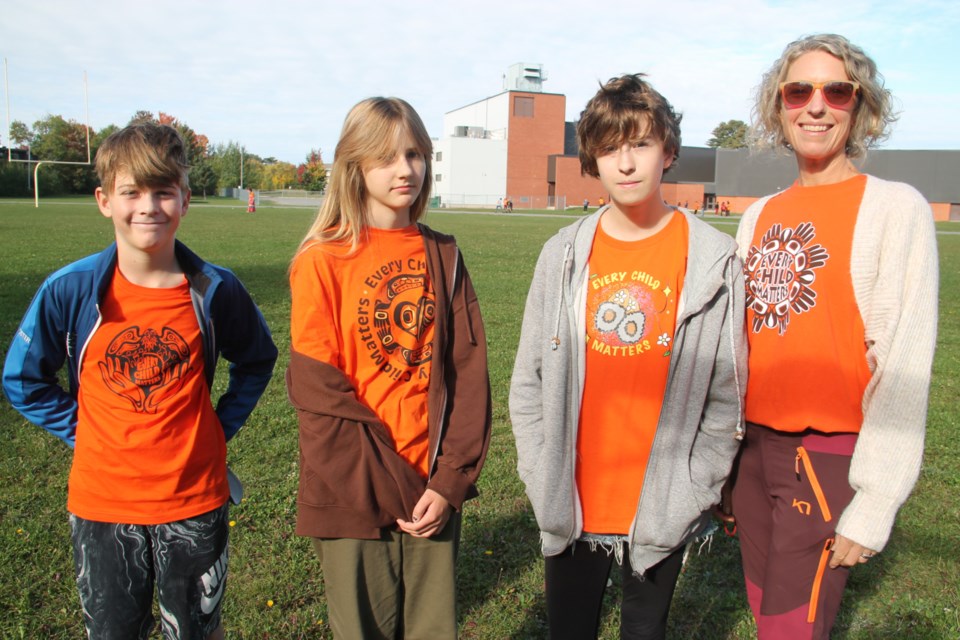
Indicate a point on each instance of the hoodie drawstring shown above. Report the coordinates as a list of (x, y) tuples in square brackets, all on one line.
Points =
[(555, 341)]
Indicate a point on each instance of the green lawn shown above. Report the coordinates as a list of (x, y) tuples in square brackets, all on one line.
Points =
[(911, 591)]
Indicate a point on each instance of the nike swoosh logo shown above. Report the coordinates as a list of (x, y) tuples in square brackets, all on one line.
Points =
[(213, 581)]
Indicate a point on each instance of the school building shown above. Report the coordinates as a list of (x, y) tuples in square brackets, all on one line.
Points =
[(518, 145)]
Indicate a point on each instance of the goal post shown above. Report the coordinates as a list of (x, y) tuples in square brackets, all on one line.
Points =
[(37, 163)]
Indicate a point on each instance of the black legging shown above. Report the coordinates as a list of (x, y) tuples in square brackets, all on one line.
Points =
[(576, 580)]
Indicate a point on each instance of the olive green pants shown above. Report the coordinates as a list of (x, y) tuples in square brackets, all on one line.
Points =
[(396, 587)]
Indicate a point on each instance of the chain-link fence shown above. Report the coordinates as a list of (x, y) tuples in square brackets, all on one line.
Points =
[(484, 201)]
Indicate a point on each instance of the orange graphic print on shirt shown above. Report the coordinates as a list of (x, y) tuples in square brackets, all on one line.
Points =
[(780, 273), (145, 367)]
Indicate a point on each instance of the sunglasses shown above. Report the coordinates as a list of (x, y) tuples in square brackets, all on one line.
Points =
[(836, 93)]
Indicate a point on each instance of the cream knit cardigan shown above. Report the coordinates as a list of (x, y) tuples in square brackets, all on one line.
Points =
[(895, 281)]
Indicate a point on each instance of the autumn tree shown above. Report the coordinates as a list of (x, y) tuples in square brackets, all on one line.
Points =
[(312, 175), (279, 175), (731, 134)]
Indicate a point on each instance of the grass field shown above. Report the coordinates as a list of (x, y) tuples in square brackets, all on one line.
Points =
[(275, 589)]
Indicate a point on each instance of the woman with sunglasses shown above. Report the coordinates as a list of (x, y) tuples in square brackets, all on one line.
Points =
[(841, 275)]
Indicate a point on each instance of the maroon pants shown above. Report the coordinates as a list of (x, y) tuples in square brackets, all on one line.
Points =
[(789, 492)]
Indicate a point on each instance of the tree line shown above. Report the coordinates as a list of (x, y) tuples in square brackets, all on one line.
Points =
[(212, 166)]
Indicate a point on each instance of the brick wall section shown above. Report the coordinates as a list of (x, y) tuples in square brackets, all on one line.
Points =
[(530, 141), (941, 211), (738, 204), (688, 195), (576, 187)]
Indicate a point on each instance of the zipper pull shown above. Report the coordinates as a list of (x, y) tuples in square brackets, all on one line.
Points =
[(796, 467)]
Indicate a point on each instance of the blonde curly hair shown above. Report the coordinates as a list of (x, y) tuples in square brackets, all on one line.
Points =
[(873, 113)]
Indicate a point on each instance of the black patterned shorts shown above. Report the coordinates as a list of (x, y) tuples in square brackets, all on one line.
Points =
[(118, 565)]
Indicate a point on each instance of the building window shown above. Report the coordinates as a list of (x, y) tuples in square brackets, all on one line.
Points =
[(438, 177), (439, 156), (523, 106)]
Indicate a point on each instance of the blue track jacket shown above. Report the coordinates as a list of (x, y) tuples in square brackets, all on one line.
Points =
[(65, 312)]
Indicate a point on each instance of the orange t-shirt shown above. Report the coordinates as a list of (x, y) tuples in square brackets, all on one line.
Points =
[(808, 365), (631, 313), (149, 447), (370, 314)]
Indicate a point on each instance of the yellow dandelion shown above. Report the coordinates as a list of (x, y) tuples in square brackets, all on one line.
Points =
[(269, 603), (233, 523), (488, 552)]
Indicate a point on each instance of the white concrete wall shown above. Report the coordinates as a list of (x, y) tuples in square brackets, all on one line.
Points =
[(492, 114), (473, 171)]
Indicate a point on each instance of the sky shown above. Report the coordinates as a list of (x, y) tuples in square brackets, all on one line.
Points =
[(278, 77)]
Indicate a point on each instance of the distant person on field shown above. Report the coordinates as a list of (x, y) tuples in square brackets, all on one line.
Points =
[(251, 201), (388, 373), (586, 204), (499, 205), (841, 273), (140, 327), (626, 398)]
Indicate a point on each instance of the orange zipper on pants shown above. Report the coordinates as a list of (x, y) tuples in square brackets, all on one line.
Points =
[(803, 456), (814, 483), (817, 579)]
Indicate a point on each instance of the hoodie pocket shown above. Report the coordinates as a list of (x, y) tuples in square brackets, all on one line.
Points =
[(550, 492), (676, 514)]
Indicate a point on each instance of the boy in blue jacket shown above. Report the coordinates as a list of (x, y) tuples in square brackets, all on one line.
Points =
[(139, 327)]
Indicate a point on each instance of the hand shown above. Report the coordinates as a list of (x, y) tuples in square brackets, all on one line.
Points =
[(724, 511), (847, 553), (430, 516), (721, 514)]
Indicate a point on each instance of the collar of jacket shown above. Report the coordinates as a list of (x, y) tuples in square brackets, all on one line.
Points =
[(199, 274)]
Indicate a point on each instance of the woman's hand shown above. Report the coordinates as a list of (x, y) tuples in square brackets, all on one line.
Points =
[(847, 553)]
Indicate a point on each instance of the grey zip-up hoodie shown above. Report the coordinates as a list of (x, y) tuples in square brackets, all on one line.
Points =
[(702, 412)]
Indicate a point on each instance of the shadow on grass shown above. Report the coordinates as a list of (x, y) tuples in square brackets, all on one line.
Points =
[(501, 585), (501, 574)]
